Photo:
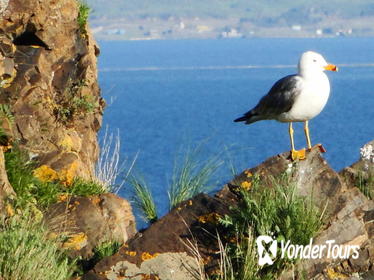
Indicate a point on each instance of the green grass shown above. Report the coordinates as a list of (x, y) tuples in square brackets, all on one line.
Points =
[(245, 251), (143, 199), (192, 176), (276, 211), (83, 14), (27, 254), (6, 113), (105, 249), (29, 189), (366, 185)]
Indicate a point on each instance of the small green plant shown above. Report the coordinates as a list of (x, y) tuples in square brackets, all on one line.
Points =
[(84, 188), (84, 12), (105, 249), (6, 113), (73, 102), (191, 176), (143, 199), (27, 254), (276, 211)]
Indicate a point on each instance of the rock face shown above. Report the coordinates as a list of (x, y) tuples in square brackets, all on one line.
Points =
[(89, 221), (188, 227), (190, 230), (48, 83)]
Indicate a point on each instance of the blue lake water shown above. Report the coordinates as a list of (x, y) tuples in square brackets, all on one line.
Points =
[(166, 95)]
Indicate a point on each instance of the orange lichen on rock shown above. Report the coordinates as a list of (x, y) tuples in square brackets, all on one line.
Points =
[(95, 199), (248, 173), (76, 241), (209, 218), (9, 210), (332, 274), (130, 253), (45, 174), (148, 256), (66, 176), (62, 197)]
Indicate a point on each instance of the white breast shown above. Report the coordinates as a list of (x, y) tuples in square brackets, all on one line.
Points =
[(310, 102)]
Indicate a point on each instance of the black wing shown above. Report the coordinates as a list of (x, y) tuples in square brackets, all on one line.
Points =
[(279, 100)]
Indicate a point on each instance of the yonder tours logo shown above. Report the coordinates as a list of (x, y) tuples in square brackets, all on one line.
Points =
[(267, 249)]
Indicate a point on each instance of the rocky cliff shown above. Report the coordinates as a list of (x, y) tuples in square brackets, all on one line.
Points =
[(50, 99)]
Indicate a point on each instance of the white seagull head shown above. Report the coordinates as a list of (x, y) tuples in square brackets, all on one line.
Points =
[(313, 63)]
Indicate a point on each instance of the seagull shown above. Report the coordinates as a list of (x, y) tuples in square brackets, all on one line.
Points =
[(296, 98)]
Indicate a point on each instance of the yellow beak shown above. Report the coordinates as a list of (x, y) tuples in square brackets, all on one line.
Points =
[(331, 67)]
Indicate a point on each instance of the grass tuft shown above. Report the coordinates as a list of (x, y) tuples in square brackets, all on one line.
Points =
[(143, 199), (83, 14), (191, 176), (109, 166), (365, 185)]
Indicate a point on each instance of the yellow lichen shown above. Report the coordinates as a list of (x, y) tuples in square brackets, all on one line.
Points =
[(209, 218), (62, 197), (334, 275), (130, 253), (76, 241), (66, 143), (248, 173), (148, 256), (95, 200), (45, 174), (9, 210), (245, 185), (67, 175)]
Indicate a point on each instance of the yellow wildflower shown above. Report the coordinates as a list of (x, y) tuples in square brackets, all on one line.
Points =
[(246, 185)]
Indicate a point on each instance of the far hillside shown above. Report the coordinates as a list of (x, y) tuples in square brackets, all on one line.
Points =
[(217, 18)]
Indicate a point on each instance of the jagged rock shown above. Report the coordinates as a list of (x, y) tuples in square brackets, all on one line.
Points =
[(189, 226), (89, 221), (48, 78)]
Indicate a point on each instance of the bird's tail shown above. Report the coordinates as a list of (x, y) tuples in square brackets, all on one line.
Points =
[(249, 117), (241, 119)]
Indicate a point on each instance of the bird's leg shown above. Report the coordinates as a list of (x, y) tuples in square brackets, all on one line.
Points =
[(290, 131), (295, 154), (306, 130)]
